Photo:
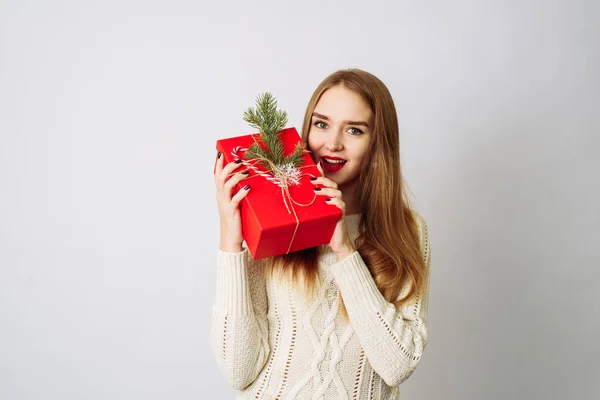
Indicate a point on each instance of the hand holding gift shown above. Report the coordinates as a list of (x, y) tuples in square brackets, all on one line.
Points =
[(340, 243), (229, 210)]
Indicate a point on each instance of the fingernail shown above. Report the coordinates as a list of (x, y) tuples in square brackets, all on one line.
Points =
[(328, 199), (238, 161), (219, 155), (246, 172), (246, 187), (317, 188), (312, 178)]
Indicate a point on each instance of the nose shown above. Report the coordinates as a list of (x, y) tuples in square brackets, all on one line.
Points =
[(334, 142)]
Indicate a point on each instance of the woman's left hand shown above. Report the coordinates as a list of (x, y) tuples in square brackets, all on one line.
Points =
[(340, 243)]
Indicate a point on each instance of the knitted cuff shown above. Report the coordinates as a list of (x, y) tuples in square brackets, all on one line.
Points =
[(358, 287), (233, 295)]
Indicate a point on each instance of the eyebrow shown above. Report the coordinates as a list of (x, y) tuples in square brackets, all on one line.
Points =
[(361, 123)]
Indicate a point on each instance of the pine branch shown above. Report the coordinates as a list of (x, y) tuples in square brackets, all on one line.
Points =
[(296, 158), (251, 118), (269, 122), (256, 151), (266, 118)]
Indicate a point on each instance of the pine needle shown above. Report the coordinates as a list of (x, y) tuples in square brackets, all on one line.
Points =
[(269, 121)]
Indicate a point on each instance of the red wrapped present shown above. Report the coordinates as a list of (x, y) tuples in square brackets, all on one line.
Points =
[(280, 216)]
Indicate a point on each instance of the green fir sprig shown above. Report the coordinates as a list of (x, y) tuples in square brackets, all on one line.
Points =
[(270, 121)]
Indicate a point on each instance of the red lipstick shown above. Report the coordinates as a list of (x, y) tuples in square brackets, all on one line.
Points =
[(332, 164)]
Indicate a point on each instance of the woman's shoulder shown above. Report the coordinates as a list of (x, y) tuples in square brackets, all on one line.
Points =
[(422, 228), (421, 224)]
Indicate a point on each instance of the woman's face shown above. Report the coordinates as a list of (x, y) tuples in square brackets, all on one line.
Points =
[(339, 134)]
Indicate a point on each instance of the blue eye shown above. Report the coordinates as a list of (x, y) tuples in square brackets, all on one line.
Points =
[(320, 124), (355, 131)]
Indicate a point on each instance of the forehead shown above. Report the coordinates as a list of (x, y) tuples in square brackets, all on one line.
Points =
[(341, 103)]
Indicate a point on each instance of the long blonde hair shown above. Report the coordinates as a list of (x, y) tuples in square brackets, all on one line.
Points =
[(388, 238)]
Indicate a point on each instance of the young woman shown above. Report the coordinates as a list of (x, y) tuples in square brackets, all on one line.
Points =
[(346, 320)]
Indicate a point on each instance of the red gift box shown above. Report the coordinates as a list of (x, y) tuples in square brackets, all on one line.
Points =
[(278, 220)]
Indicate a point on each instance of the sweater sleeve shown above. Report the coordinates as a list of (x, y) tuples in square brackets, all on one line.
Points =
[(239, 332), (392, 338)]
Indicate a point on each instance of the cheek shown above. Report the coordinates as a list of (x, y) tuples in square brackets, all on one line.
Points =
[(313, 143), (361, 153)]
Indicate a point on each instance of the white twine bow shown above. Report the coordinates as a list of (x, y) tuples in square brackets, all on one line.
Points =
[(286, 175)]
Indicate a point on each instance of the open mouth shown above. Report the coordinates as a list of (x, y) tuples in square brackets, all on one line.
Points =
[(333, 164)]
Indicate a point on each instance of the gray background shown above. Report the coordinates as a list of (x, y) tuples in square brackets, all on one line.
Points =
[(109, 112)]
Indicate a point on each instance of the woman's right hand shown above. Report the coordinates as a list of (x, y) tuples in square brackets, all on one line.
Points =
[(229, 206)]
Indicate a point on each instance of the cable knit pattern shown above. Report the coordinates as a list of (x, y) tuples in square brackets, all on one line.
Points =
[(273, 341)]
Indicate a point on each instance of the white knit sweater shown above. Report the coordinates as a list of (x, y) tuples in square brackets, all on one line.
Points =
[(272, 341)]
